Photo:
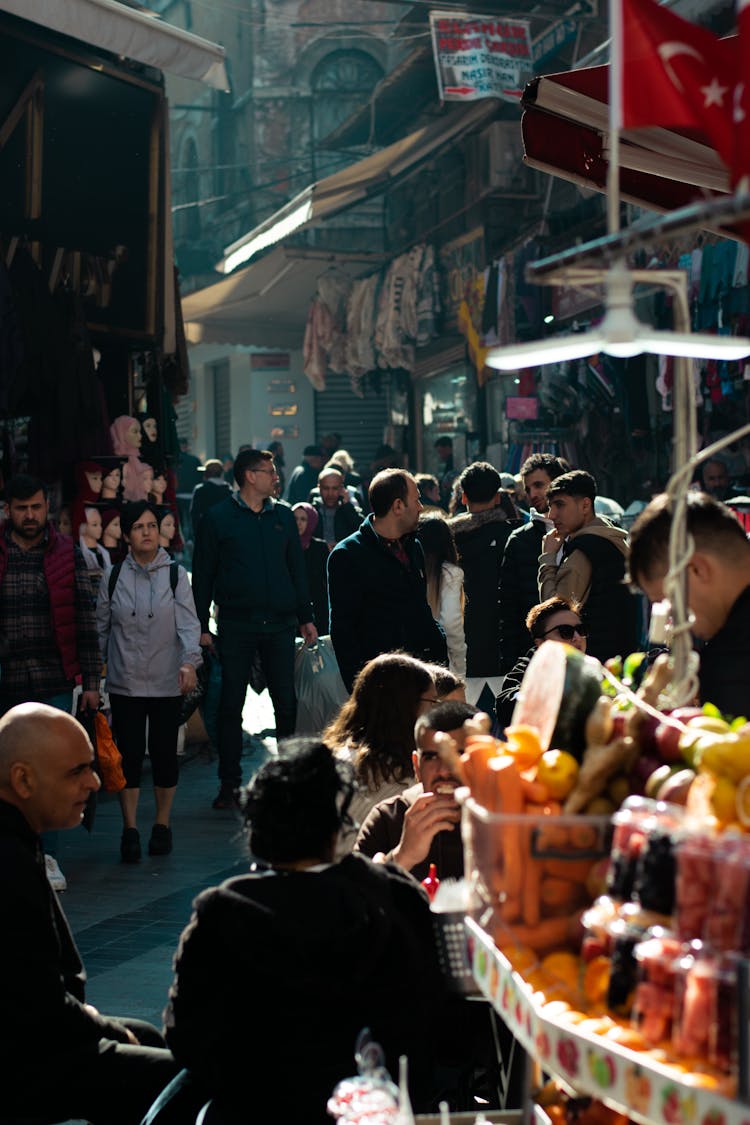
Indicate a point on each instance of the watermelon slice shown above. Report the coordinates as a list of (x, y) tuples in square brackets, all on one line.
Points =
[(557, 695)]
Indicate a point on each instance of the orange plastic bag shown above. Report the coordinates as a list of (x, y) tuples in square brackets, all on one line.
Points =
[(109, 759)]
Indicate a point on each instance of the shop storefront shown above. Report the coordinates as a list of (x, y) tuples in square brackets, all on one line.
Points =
[(90, 299)]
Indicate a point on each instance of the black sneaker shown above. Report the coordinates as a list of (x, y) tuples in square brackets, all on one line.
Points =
[(161, 840), (130, 846), (227, 798)]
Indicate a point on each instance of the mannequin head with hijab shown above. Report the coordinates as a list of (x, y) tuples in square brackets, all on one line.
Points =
[(91, 530), (88, 481), (111, 529), (111, 481), (167, 528), (126, 436)]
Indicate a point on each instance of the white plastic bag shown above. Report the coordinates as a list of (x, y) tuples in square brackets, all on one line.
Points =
[(318, 685)]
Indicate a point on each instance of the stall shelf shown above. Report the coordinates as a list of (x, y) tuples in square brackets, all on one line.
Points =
[(631, 1082)]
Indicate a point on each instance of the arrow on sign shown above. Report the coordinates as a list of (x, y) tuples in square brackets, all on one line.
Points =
[(462, 90)]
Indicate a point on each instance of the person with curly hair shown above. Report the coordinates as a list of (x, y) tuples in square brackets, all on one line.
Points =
[(311, 952)]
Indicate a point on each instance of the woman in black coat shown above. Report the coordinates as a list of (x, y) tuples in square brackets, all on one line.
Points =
[(316, 559)]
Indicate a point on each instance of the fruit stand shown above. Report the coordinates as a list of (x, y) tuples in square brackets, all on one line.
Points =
[(613, 940)]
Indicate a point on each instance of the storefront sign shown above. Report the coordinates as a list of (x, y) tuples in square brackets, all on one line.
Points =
[(570, 300), (461, 260), (480, 57)]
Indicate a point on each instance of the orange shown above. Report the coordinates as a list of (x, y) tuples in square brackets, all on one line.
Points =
[(520, 957), (565, 967), (524, 746), (558, 771), (596, 980)]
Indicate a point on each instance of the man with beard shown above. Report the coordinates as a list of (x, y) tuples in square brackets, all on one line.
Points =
[(518, 574), (47, 615), (376, 582)]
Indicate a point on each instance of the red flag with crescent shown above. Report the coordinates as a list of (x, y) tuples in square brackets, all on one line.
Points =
[(678, 75)]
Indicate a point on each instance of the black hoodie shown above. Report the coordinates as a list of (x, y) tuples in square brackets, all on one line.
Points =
[(278, 972), (481, 539)]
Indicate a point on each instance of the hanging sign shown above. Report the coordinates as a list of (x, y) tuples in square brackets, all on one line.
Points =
[(480, 56)]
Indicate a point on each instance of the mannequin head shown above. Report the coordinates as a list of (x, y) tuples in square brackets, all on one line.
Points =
[(149, 428), (111, 482), (167, 528), (158, 486), (65, 521), (126, 436), (91, 530), (147, 478), (111, 529), (88, 480)]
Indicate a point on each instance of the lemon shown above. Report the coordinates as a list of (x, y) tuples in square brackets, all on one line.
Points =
[(558, 771)]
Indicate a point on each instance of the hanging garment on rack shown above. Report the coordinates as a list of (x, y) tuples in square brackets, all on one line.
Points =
[(429, 305), (333, 290), (316, 344)]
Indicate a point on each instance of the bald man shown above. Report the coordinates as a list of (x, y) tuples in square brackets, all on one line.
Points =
[(61, 1059)]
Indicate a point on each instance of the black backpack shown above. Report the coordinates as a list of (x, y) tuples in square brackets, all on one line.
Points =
[(114, 574)]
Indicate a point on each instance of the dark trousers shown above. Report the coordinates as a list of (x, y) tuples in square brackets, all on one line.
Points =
[(129, 715), (106, 1083), (238, 646)]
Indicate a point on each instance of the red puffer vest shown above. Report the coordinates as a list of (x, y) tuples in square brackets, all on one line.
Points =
[(59, 574)]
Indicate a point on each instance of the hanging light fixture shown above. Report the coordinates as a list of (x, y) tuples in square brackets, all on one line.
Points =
[(620, 334)]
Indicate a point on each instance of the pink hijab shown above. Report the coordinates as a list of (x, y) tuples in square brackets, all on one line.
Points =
[(133, 469), (312, 523)]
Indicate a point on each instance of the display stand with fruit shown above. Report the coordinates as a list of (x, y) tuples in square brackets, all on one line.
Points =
[(536, 827)]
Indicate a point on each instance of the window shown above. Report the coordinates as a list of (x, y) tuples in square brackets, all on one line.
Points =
[(341, 83)]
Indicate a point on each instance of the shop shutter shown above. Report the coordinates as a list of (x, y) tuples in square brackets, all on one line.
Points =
[(222, 408), (360, 421), (185, 421)]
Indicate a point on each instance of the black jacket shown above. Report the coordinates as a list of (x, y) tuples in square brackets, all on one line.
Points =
[(518, 589), (725, 662), (611, 610), (250, 563), (346, 521), (44, 981), (379, 605), (505, 703), (316, 563), (481, 539), (301, 483), (205, 496), (278, 972)]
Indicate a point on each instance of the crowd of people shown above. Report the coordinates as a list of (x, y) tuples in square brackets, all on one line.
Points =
[(435, 592)]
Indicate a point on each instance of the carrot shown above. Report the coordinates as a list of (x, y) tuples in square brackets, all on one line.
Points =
[(559, 896), (504, 782), (479, 750), (534, 791), (576, 870)]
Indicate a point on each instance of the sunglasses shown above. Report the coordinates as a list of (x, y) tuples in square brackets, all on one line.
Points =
[(567, 632)]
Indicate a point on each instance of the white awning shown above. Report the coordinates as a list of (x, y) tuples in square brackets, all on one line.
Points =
[(355, 183), (266, 303), (129, 33)]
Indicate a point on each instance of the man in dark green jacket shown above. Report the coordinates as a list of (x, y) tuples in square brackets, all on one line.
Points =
[(248, 559)]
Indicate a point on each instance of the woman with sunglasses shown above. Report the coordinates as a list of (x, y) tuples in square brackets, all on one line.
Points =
[(556, 619)]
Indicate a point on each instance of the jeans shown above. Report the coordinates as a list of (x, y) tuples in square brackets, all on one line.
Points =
[(238, 645)]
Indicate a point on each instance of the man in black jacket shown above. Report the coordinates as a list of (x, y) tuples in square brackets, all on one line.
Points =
[(212, 490), (481, 534), (61, 1058), (376, 582), (518, 574), (248, 559), (584, 559), (339, 514), (718, 590)]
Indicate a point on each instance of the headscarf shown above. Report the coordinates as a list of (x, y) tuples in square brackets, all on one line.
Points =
[(84, 492), (312, 523), (117, 430)]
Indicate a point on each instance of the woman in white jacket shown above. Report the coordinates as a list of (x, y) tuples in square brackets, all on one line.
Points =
[(149, 636), (445, 585)]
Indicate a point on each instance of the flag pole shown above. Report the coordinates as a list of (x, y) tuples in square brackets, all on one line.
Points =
[(615, 115)]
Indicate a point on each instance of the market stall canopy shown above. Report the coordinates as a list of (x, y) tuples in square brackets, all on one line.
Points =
[(129, 33), (357, 182), (266, 303), (565, 133)]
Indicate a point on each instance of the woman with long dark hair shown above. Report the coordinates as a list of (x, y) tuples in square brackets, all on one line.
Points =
[(375, 727), (445, 585)]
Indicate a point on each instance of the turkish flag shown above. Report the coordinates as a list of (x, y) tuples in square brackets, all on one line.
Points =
[(741, 101), (678, 75)]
